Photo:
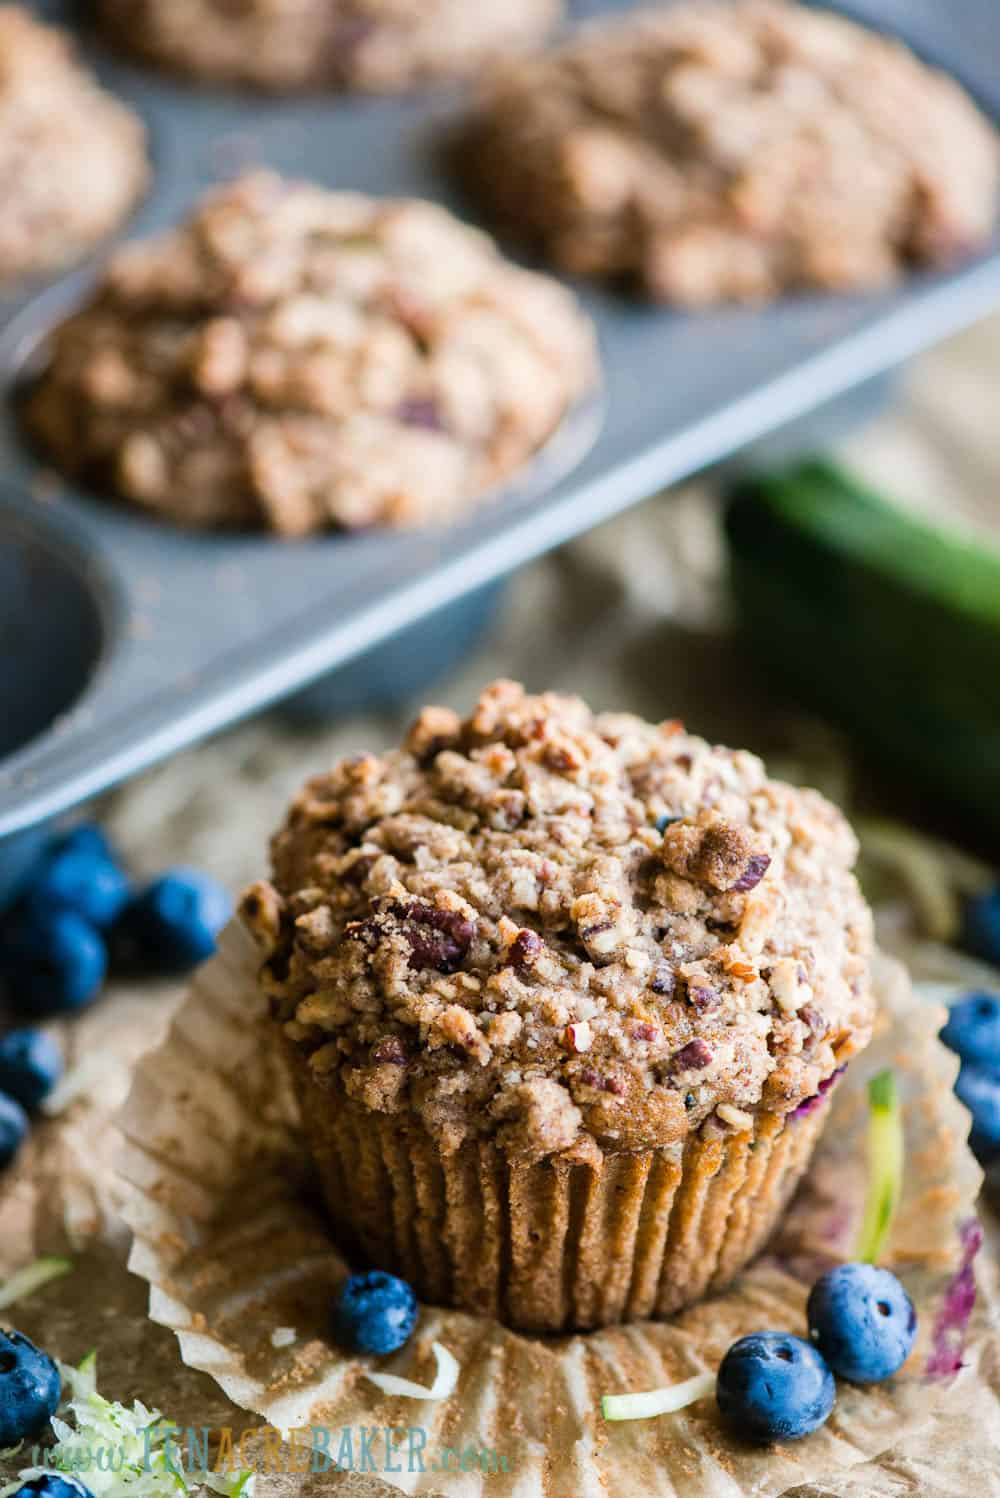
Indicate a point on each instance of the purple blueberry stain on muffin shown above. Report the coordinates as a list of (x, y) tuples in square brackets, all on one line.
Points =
[(810, 1104)]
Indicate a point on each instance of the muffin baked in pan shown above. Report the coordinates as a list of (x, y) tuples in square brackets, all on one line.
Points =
[(283, 45), (735, 150), (292, 358), (73, 159)]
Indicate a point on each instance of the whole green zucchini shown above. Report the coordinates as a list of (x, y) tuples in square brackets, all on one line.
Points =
[(887, 624)]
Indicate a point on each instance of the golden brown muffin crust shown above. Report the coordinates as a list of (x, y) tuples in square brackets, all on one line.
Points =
[(732, 149), (73, 158), (294, 358), (553, 927)]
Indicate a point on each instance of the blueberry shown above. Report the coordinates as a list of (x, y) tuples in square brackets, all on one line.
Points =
[(979, 1090), (55, 962), (973, 1030), (30, 1066), (13, 1131), (173, 923), (774, 1387), (862, 1321), (74, 876), (54, 1485), (87, 838), (29, 1389), (374, 1313), (981, 925)]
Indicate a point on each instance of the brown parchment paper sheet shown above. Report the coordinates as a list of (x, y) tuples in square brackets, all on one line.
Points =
[(234, 1249)]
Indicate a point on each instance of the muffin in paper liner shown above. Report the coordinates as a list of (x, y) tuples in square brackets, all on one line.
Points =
[(549, 1245), (234, 1245)]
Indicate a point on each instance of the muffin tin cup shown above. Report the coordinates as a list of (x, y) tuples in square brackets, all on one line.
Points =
[(211, 628), (212, 1124)]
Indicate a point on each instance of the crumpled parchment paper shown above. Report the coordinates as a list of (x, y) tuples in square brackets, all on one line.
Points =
[(234, 1248)]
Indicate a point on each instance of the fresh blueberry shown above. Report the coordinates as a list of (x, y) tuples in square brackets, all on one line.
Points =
[(55, 962), (374, 1313), (87, 838), (774, 1387), (973, 1030), (74, 876), (30, 1066), (54, 1485), (979, 1090), (13, 1131), (981, 925), (29, 1389), (173, 923), (862, 1321)]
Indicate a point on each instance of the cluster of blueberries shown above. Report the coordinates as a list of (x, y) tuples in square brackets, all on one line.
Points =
[(76, 916), (973, 1030), (771, 1386), (973, 1033)]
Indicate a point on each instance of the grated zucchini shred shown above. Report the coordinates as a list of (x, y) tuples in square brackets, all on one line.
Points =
[(121, 1451)]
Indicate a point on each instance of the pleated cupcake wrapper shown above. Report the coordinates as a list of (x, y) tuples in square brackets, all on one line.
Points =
[(235, 1248), (553, 1246)]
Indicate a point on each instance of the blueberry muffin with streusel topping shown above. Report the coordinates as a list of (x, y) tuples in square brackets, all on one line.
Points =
[(381, 46), (565, 995), (73, 158), (292, 359), (732, 150)]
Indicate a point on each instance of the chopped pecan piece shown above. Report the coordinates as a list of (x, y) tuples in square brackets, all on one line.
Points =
[(664, 981), (390, 1051), (260, 910), (578, 1036), (695, 1056), (701, 995), (525, 949), (437, 938), (603, 1082), (435, 729), (715, 853)]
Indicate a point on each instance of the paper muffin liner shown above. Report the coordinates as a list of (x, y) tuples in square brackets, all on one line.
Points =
[(241, 1266), (552, 1246)]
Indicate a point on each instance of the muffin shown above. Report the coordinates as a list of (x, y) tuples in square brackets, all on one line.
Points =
[(293, 358), (301, 44), (72, 158), (732, 149), (564, 996)]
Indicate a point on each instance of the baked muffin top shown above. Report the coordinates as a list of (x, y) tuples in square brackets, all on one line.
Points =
[(294, 358), (729, 149), (298, 44), (72, 157), (565, 929)]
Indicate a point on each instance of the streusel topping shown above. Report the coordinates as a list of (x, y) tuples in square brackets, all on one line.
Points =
[(72, 157), (563, 928), (381, 45), (730, 149), (296, 358)]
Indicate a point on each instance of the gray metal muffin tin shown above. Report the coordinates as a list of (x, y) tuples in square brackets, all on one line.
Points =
[(124, 639)]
